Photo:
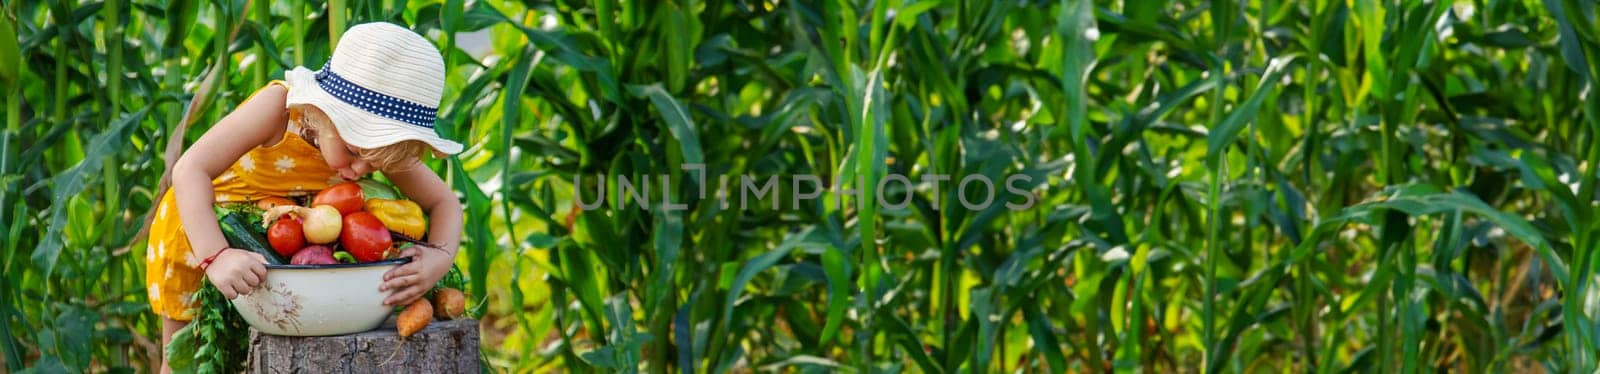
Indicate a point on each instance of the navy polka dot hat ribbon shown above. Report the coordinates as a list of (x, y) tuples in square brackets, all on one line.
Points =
[(375, 102)]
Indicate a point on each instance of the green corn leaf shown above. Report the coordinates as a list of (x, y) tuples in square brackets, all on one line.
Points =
[(750, 268), (835, 265), (1044, 337), (678, 122), (1224, 133), (73, 182), (10, 54)]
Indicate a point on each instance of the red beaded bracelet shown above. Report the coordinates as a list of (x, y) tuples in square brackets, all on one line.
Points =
[(207, 262)]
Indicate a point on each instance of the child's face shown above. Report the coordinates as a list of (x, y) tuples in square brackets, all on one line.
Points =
[(342, 158)]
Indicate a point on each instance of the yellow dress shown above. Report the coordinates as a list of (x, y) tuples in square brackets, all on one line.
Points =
[(290, 167)]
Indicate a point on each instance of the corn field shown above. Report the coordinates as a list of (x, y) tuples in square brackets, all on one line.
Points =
[(1254, 186)]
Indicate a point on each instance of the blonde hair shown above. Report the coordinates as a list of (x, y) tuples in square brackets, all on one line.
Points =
[(390, 158)]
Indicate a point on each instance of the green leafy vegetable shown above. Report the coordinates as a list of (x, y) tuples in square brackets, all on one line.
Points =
[(215, 341)]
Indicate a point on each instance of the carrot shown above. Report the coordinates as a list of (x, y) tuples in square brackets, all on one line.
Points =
[(270, 202), (449, 303), (414, 318)]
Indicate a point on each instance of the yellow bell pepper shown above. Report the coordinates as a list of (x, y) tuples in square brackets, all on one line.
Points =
[(402, 216)]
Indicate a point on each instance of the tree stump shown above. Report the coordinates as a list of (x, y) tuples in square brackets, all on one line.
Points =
[(442, 347)]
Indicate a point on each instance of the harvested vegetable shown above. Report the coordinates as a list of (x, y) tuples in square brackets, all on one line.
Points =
[(365, 237), (215, 341), (344, 257), (402, 216), (373, 189), (314, 255), (286, 236), (240, 235), (449, 303), (452, 279), (346, 197), (321, 223), (415, 317), (270, 202)]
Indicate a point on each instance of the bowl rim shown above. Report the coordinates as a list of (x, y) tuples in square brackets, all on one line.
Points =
[(392, 261)]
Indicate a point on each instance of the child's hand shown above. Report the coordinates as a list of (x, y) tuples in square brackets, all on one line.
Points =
[(237, 272), (411, 281)]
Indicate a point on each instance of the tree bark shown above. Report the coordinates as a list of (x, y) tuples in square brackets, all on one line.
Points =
[(442, 347)]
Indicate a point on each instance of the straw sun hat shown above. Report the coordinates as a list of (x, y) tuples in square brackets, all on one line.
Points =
[(382, 86)]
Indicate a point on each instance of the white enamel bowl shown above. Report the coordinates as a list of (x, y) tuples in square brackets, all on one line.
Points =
[(318, 300)]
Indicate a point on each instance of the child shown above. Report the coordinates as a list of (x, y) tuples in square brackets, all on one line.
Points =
[(371, 107)]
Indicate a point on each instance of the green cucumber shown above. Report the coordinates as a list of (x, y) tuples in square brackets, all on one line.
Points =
[(241, 236)]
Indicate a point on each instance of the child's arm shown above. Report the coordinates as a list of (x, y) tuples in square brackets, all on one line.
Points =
[(256, 122), (444, 230)]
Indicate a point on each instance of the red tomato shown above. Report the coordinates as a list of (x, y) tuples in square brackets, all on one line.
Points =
[(286, 236), (346, 197), (365, 237)]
